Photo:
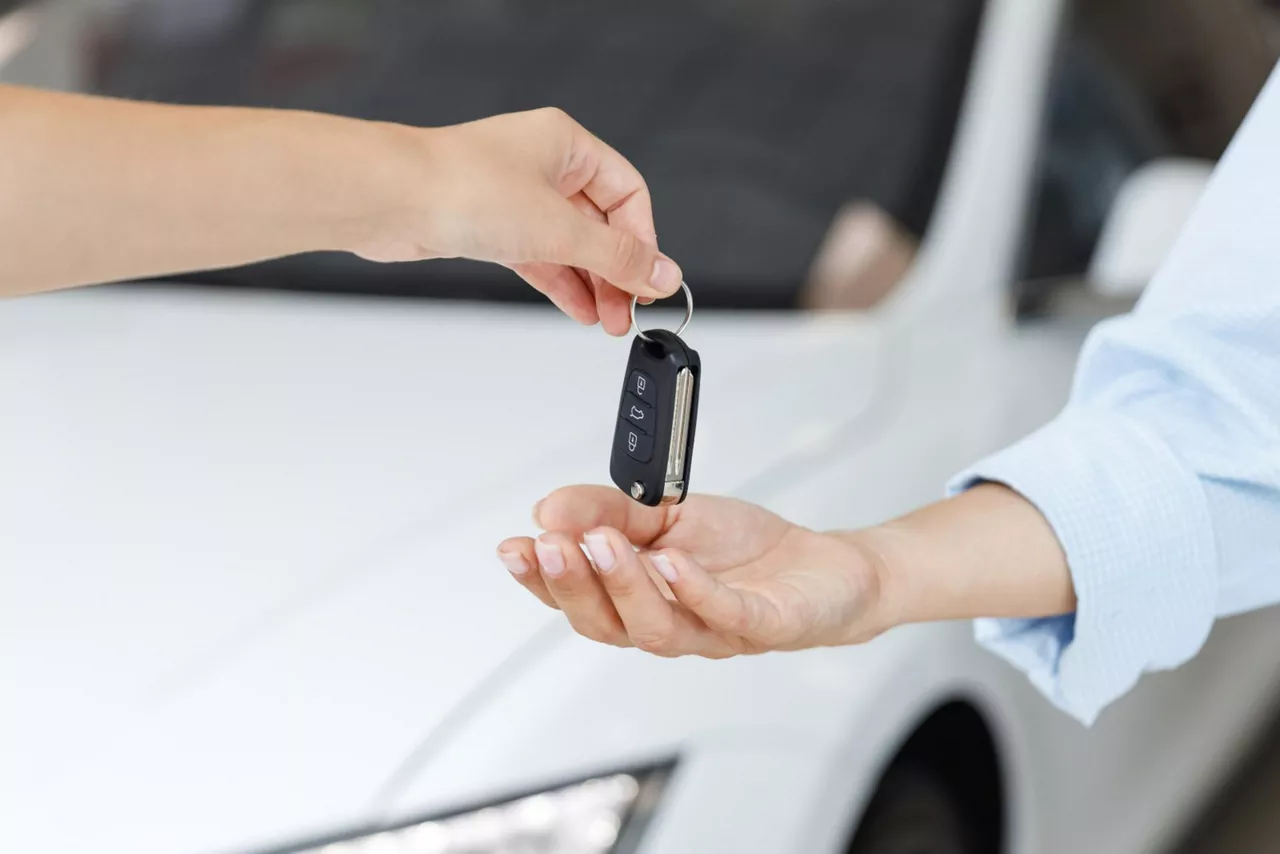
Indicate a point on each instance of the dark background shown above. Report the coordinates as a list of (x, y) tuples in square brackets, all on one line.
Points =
[(752, 122)]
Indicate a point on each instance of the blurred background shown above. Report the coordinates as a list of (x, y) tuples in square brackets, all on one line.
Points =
[(797, 151)]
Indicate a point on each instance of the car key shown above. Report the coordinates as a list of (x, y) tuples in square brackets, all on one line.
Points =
[(653, 440)]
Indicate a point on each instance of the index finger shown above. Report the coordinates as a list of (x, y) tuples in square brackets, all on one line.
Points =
[(574, 510), (653, 623), (613, 306), (608, 179)]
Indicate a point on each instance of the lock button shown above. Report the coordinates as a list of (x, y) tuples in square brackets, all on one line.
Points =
[(637, 445), (641, 385), (638, 413)]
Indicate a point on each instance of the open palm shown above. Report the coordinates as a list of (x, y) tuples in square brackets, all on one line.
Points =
[(713, 576)]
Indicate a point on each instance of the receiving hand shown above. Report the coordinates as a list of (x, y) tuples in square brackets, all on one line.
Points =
[(715, 577), (538, 193)]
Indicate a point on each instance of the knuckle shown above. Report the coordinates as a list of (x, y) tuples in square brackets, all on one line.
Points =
[(719, 612), (597, 630), (557, 123), (694, 598), (747, 646), (653, 644), (617, 637), (641, 192), (620, 585), (568, 593), (741, 623), (734, 621), (554, 115), (657, 641)]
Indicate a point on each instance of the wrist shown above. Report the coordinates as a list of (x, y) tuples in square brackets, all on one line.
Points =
[(359, 181), (987, 552), (880, 555)]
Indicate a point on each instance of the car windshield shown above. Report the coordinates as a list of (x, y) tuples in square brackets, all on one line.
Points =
[(755, 122)]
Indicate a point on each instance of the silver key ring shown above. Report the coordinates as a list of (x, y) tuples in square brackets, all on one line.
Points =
[(688, 313)]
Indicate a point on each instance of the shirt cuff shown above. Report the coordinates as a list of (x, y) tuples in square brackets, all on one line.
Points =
[(1136, 530)]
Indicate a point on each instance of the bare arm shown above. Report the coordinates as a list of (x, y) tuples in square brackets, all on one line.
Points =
[(985, 553), (94, 189), (744, 580)]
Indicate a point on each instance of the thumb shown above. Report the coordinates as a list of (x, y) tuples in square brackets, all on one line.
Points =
[(620, 258)]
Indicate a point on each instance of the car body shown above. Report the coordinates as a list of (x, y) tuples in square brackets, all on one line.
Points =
[(250, 601)]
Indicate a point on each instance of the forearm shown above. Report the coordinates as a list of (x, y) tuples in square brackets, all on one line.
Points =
[(95, 190), (985, 553), (1160, 479)]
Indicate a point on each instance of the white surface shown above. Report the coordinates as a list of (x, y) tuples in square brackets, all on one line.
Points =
[(1149, 213), (17, 32), (249, 594)]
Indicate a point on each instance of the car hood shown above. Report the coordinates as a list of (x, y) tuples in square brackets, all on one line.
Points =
[(227, 520)]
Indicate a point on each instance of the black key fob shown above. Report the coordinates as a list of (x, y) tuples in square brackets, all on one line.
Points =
[(657, 416)]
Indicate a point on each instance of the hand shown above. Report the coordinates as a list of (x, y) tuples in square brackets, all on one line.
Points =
[(716, 577), (533, 191), (167, 189)]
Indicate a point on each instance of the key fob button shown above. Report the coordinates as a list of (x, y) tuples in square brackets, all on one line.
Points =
[(637, 445), (638, 413), (641, 385)]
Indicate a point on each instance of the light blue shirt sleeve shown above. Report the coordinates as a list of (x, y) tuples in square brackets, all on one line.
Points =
[(1161, 477)]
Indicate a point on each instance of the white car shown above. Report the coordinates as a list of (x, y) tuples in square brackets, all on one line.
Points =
[(250, 601)]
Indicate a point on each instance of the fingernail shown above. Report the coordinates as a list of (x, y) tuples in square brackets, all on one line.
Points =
[(551, 558), (666, 568), (536, 508), (515, 564), (666, 275), (601, 551)]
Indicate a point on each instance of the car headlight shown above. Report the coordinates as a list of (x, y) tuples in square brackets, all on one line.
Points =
[(603, 815)]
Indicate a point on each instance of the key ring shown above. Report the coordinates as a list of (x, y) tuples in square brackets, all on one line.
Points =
[(688, 313)]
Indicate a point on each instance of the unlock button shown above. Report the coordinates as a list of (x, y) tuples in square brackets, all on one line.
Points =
[(638, 413), (637, 445)]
